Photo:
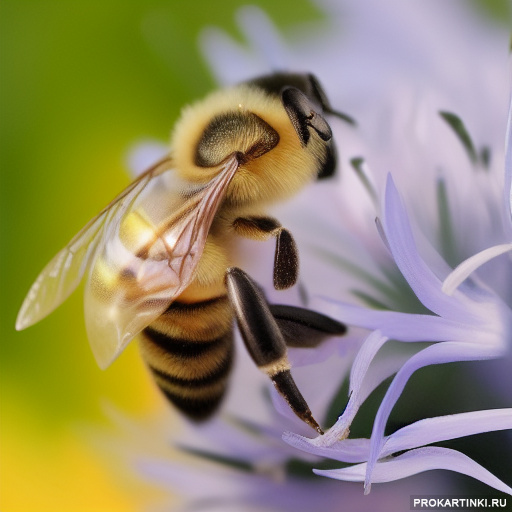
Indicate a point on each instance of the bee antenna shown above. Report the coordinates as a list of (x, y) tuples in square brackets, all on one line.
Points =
[(340, 115)]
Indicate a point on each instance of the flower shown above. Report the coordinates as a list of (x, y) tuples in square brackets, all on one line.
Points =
[(413, 164), (473, 324)]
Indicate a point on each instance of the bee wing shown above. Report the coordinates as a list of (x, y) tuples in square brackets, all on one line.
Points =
[(145, 261), (64, 272)]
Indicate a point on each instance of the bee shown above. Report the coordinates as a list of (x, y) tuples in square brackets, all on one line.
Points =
[(158, 259)]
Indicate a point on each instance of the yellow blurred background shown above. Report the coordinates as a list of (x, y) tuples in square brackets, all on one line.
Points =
[(81, 82)]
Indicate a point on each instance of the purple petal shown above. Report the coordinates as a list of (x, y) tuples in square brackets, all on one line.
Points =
[(362, 385), (348, 450), (442, 428), (333, 443), (417, 434), (230, 62), (318, 383), (262, 35), (364, 357), (425, 284), (404, 326), (184, 478), (446, 352), (508, 163), (222, 436), (417, 461)]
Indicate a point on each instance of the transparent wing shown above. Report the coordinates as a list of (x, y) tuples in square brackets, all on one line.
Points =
[(140, 252), (64, 272), (146, 259)]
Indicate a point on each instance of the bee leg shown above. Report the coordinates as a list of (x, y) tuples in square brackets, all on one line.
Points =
[(304, 328), (264, 340), (286, 258)]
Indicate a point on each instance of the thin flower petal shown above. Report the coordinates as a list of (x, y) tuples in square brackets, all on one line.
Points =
[(508, 161), (467, 267), (402, 326), (364, 357), (263, 36), (426, 285), (183, 478), (435, 354), (220, 437), (231, 62), (416, 435), (417, 461), (331, 442), (442, 428), (360, 388), (348, 450)]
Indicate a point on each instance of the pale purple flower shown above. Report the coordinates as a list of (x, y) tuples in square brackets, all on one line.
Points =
[(469, 319), (452, 195), (472, 324)]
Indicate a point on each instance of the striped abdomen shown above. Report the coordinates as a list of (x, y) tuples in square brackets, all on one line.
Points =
[(189, 350)]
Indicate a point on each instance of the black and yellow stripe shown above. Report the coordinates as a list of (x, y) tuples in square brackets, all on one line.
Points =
[(189, 350)]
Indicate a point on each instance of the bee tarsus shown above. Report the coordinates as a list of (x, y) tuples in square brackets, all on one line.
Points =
[(286, 258)]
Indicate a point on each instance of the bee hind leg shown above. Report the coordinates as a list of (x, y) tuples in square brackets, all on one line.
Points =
[(264, 340), (305, 328)]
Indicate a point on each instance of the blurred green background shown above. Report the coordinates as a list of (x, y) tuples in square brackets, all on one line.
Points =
[(81, 82)]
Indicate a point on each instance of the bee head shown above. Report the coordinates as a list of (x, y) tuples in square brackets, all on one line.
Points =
[(280, 139)]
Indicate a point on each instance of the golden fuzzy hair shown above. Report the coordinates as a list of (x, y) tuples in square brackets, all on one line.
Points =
[(276, 175)]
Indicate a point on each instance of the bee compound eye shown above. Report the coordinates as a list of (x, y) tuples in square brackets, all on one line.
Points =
[(303, 114), (241, 133)]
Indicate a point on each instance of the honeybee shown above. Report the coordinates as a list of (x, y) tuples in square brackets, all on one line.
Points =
[(158, 258)]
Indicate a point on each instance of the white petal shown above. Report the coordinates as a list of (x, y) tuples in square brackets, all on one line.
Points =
[(467, 267)]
